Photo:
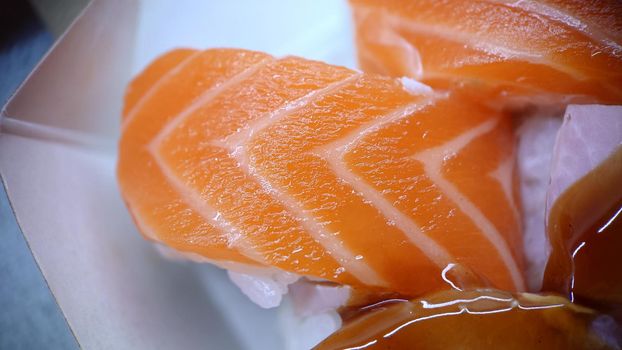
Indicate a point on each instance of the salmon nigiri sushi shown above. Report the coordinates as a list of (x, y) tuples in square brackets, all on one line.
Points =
[(542, 51), (253, 162)]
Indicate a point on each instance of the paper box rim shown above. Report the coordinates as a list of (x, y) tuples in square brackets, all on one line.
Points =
[(67, 141)]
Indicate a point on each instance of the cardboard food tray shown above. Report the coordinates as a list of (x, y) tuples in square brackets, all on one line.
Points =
[(58, 137)]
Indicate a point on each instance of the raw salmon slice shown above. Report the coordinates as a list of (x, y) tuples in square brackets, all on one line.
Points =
[(314, 169), (548, 51)]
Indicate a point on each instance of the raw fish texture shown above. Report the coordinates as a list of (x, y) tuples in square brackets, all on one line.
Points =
[(321, 171)]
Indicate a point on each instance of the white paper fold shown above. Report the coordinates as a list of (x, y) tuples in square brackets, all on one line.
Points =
[(57, 154)]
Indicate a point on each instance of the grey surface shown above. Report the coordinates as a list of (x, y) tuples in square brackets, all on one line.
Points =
[(24, 42), (29, 315)]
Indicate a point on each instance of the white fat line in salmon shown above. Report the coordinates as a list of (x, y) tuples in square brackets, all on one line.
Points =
[(243, 136), (235, 238), (385, 35), (236, 145), (432, 160), (592, 30), (475, 42), (334, 152), (503, 174), (155, 87), (344, 144), (205, 98)]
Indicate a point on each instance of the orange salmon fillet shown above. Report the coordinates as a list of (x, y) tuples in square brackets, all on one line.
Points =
[(322, 171), (540, 50)]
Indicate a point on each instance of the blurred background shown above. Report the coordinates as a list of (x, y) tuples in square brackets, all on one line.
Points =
[(29, 315)]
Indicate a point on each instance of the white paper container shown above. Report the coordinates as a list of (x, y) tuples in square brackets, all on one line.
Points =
[(58, 139)]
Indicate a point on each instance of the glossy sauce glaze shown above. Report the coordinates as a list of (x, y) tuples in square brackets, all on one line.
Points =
[(587, 240), (597, 279), (474, 320)]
